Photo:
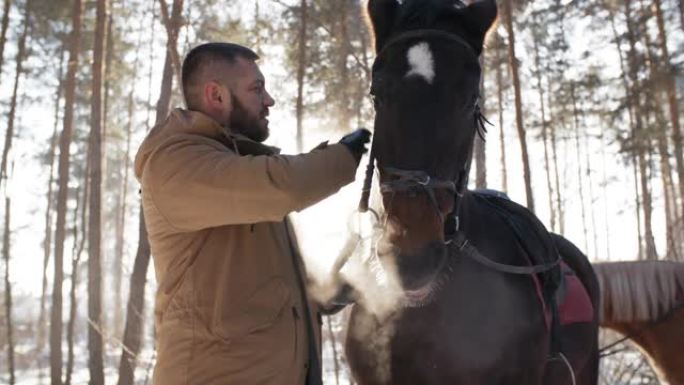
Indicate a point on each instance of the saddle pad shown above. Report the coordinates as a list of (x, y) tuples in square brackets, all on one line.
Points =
[(574, 304)]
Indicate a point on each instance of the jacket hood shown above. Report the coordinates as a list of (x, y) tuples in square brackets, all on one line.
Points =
[(182, 121)]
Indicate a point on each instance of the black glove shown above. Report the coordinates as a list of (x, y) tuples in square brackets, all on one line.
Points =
[(356, 142)]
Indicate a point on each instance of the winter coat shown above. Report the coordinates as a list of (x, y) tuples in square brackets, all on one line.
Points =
[(230, 306)]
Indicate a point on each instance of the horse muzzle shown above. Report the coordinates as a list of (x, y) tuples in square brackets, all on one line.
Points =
[(417, 272)]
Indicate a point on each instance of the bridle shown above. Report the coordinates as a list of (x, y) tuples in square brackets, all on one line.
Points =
[(407, 180), (419, 180)]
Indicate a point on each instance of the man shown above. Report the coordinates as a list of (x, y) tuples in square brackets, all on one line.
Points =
[(231, 307)]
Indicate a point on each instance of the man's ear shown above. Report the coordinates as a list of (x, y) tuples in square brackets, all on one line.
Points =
[(217, 99), (215, 95)]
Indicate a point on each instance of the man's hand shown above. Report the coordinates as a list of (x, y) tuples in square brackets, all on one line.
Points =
[(356, 142)]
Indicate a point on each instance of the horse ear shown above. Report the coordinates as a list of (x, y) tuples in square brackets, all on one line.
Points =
[(382, 14), (478, 17)]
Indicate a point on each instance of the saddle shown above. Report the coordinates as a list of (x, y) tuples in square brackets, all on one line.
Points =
[(562, 295)]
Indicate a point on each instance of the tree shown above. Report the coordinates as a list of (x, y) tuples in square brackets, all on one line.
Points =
[(640, 135), (498, 63), (9, 134), (3, 30), (21, 56), (507, 15), (301, 68), (538, 35), (672, 98), (47, 242), (62, 195), (79, 245), (631, 119), (8, 291), (95, 339), (134, 312)]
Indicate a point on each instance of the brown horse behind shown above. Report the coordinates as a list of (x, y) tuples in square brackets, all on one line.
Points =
[(644, 300)]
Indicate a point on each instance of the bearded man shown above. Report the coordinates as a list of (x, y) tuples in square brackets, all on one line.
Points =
[(231, 305)]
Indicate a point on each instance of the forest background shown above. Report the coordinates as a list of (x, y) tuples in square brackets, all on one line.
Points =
[(584, 97)]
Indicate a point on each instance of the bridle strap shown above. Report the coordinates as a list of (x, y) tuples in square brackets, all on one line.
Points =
[(427, 33), (368, 181), (466, 248)]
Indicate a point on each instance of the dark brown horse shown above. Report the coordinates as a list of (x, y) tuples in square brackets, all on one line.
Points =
[(458, 302), (644, 301)]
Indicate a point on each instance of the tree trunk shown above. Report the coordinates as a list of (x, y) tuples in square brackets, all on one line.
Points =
[(333, 344), (301, 72), (8, 292), (640, 135), (500, 101), (672, 99), (122, 201), (625, 74), (6, 246), (578, 152), (95, 327), (151, 60), (21, 53), (172, 30), (544, 132), (590, 183), (513, 62), (345, 113), (554, 153), (79, 245), (62, 196), (132, 339), (651, 253), (654, 108), (606, 219), (3, 30), (47, 242), (21, 56)]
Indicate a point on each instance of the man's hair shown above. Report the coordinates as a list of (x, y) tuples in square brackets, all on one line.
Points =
[(202, 56)]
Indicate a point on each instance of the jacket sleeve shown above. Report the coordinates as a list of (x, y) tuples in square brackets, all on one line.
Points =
[(197, 184)]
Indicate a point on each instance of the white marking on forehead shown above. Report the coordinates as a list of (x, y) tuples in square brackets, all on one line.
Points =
[(422, 64)]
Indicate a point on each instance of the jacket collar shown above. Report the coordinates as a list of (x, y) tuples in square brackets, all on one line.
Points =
[(201, 124)]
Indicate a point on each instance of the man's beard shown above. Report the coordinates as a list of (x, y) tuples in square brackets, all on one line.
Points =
[(241, 121)]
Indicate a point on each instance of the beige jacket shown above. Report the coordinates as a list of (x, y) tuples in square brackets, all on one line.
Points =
[(229, 308)]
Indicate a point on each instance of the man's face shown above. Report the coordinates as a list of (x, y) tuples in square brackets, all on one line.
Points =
[(250, 101)]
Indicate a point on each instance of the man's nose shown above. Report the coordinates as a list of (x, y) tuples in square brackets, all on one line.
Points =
[(268, 101)]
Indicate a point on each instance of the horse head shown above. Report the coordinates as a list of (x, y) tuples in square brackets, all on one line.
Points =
[(426, 81)]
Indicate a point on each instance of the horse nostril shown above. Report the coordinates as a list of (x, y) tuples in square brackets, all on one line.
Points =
[(386, 249)]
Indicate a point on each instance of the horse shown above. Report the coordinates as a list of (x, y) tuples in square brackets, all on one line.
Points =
[(460, 277), (644, 301)]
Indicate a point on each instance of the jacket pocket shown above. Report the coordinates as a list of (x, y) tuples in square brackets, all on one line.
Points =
[(263, 307)]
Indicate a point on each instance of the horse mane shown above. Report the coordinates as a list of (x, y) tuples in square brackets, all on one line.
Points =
[(639, 291)]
